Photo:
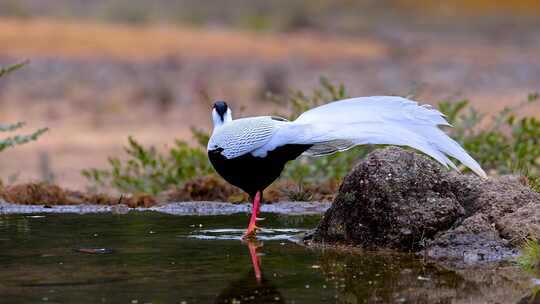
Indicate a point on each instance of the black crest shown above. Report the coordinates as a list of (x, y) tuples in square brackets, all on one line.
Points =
[(221, 107)]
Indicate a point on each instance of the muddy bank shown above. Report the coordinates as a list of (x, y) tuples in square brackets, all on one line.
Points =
[(180, 208), (205, 188), (401, 200)]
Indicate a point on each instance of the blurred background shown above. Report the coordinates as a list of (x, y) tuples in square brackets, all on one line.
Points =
[(102, 70)]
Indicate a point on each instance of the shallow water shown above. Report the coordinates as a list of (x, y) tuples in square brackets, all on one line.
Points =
[(149, 257)]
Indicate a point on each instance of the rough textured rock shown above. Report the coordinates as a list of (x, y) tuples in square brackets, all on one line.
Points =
[(525, 221), (399, 199)]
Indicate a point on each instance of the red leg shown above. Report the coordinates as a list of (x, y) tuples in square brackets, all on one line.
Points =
[(252, 228), (259, 204), (255, 260)]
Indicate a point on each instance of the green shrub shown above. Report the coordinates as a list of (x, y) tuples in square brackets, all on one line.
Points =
[(148, 171), (16, 140)]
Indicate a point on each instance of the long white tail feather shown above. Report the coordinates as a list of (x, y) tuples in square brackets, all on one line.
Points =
[(389, 120)]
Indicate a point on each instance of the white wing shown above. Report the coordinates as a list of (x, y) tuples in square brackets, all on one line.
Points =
[(391, 120), (242, 136)]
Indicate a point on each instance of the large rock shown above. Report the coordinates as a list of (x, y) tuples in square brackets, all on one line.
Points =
[(399, 199)]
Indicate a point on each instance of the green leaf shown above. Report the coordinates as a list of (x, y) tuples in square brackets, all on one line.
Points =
[(11, 68), (20, 139), (11, 127)]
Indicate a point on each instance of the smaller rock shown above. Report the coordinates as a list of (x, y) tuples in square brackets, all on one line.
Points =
[(519, 225)]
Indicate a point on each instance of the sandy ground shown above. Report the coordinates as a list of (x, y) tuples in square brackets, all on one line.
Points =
[(94, 85)]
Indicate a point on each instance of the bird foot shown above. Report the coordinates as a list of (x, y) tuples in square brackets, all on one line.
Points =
[(251, 233)]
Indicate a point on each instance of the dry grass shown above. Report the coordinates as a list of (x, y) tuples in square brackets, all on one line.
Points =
[(49, 195), (56, 38), (208, 188)]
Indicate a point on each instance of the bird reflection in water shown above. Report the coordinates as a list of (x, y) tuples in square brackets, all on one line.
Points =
[(253, 287)]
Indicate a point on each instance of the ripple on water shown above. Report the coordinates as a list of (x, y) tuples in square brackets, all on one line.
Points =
[(264, 234)]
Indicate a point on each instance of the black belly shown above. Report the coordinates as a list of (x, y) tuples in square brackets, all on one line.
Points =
[(251, 173)]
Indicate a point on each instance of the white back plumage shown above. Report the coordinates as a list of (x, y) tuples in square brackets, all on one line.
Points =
[(242, 136), (340, 125)]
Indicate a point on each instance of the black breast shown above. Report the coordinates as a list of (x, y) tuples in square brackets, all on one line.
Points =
[(251, 173)]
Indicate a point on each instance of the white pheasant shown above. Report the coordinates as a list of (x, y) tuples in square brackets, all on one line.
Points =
[(250, 153)]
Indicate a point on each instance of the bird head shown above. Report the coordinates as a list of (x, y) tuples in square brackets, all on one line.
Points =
[(221, 113)]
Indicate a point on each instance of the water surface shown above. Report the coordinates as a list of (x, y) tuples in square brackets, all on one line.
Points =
[(159, 258)]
